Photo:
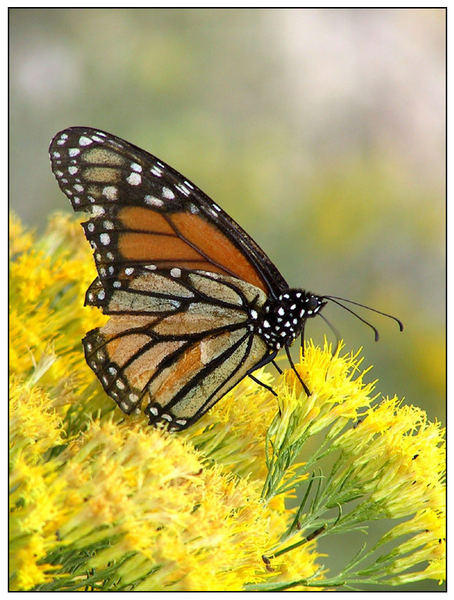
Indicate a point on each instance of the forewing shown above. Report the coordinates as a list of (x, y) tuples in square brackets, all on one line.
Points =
[(143, 212)]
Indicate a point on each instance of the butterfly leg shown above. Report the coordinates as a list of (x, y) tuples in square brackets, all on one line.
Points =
[(267, 359), (292, 364), (302, 338), (278, 368), (269, 388)]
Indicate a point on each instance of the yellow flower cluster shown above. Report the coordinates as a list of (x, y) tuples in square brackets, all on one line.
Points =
[(103, 502), (86, 483), (400, 458)]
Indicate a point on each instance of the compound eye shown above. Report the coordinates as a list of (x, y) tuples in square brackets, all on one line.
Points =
[(313, 303)]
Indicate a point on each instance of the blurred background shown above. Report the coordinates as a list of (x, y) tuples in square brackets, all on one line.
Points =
[(321, 131)]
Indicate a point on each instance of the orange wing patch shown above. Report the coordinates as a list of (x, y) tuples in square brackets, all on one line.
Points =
[(214, 244), (136, 217), (155, 238), (154, 247)]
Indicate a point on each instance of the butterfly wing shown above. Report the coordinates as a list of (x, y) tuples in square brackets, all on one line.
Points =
[(179, 349), (143, 211), (181, 279)]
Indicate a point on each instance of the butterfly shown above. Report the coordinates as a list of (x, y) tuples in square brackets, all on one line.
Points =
[(195, 304)]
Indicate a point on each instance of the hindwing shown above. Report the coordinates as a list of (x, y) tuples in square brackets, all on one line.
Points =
[(174, 352)]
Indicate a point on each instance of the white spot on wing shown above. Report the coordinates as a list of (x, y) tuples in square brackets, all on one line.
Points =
[(156, 171), (110, 192), (152, 201), (183, 189), (96, 210), (85, 141), (134, 179), (168, 193)]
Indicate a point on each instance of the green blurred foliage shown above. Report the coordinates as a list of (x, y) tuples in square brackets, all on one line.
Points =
[(321, 131)]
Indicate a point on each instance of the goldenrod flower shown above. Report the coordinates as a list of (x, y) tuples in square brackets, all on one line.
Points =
[(20, 240), (104, 502)]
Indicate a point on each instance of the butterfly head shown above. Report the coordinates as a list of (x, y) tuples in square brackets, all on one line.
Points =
[(282, 318)]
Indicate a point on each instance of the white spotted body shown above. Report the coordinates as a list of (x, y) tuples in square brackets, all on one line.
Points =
[(281, 320)]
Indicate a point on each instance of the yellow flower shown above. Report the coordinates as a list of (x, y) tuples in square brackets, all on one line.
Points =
[(400, 454), (19, 240), (102, 502), (223, 434)]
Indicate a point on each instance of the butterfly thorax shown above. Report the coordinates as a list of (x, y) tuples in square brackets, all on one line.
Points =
[(281, 319)]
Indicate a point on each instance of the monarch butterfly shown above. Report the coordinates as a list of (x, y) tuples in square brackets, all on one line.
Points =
[(195, 305)]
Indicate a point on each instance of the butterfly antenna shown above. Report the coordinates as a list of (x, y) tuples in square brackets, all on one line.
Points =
[(334, 330), (398, 321), (377, 336), (292, 364)]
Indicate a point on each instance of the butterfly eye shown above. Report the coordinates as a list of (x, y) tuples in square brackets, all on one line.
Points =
[(313, 303)]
